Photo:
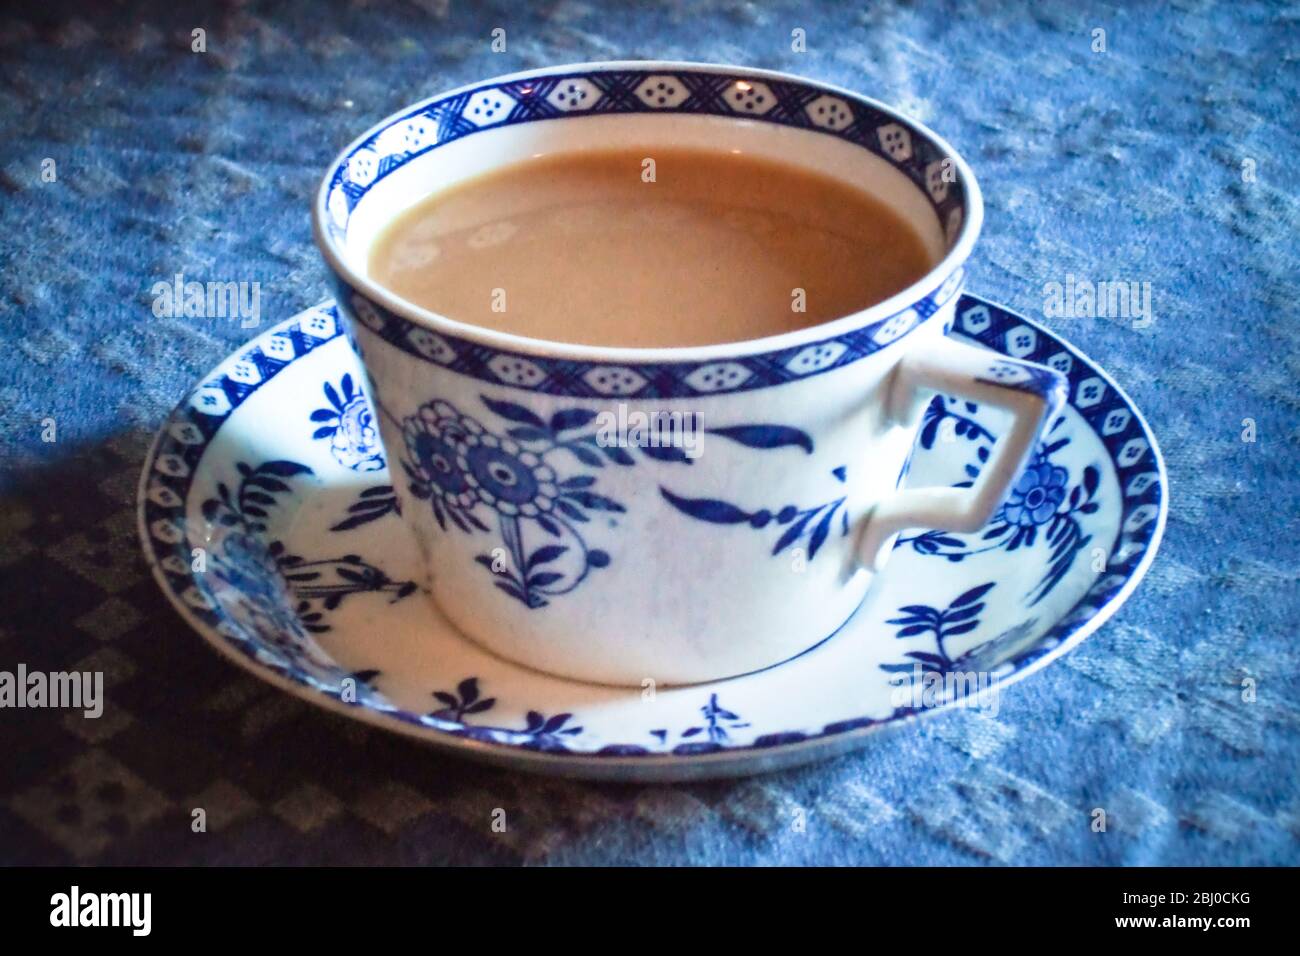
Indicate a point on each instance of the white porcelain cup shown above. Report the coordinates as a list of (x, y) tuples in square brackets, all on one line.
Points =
[(559, 540)]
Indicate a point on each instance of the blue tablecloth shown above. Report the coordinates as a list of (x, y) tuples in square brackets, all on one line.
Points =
[(1163, 158)]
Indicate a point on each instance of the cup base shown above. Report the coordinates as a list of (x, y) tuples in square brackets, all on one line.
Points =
[(462, 632)]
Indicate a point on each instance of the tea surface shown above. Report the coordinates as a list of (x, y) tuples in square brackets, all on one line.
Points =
[(716, 247)]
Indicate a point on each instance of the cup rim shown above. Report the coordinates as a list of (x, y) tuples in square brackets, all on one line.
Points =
[(934, 278)]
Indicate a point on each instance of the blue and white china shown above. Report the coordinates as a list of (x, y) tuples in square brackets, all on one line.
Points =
[(280, 542), (636, 564)]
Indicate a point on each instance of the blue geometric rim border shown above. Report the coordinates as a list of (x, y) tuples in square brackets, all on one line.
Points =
[(182, 441), (588, 379), (676, 89)]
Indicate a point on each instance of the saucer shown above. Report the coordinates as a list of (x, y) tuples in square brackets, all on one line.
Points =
[(268, 518)]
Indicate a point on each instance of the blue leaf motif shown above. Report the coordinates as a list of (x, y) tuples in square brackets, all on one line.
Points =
[(666, 453), (468, 689), (586, 456), (571, 418), (528, 433), (555, 723), (618, 455), (792, 533), (513, 412), (706, 509), (285, 469), (469, 474), (548, 553), (594, 501), (964, 614), (958, 618), (569, 510), (971, 596), (819, 534), (766, 436)]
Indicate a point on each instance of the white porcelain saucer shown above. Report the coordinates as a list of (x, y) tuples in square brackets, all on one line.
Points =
[(266, 515)]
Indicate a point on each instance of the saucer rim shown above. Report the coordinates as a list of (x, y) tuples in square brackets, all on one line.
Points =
[(736, 761)]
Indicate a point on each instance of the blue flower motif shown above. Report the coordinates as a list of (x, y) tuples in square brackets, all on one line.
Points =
[(1041, 501), (350, 425), (253, 591), (1037, 495), (247, 565), (506, 477), (469, 474), (433, 441), (356, 441), (281, 597)]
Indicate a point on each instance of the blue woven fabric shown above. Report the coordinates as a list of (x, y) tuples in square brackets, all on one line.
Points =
[(1161, 159)]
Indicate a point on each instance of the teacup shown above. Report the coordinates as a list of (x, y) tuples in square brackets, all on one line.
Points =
[(558, 535)]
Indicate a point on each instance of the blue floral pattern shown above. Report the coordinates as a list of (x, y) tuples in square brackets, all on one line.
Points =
[(976, 664), (474, 478), (961, 616), (350, 426), (960, 412), (257, 618), (539, 732), (1042, 506), (1036, 495), (811, 525), (712, 734), (372, 504), (463, 702), (283, 596)]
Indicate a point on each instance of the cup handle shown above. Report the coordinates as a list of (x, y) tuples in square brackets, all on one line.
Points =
[(1031, 392)]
